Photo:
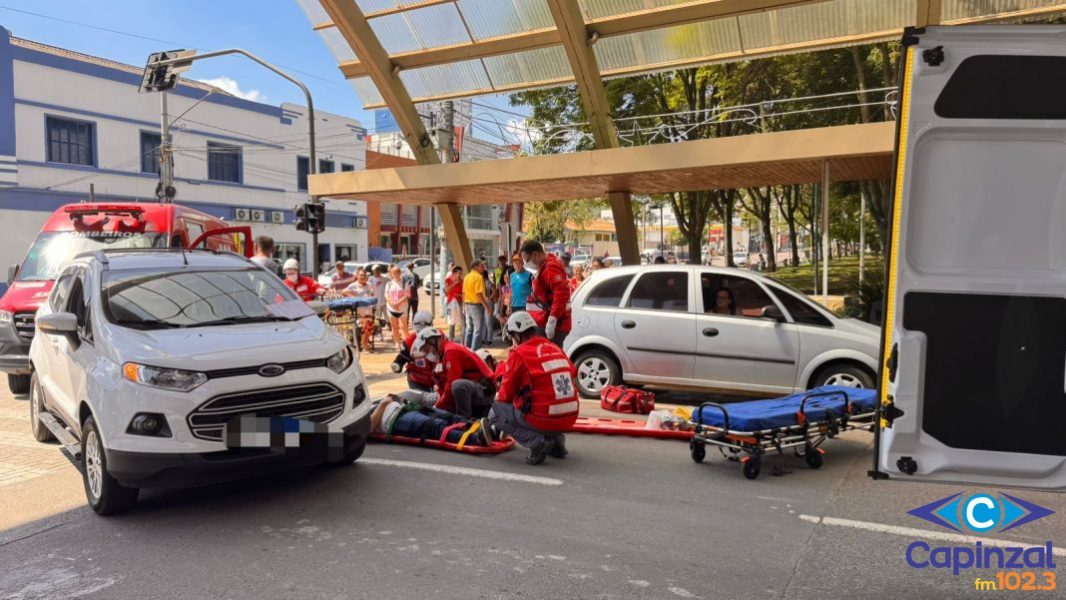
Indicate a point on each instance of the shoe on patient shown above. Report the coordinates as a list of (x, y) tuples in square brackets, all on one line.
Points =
[(539, 454), (484, 432)]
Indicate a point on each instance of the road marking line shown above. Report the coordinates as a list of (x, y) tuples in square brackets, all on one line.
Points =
[(925, 533), (450, 470)]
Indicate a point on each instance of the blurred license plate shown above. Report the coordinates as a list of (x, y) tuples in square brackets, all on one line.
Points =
[(249, 431)]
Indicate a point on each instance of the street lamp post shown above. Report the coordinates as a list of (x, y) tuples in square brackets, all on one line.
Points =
[(184, 59)]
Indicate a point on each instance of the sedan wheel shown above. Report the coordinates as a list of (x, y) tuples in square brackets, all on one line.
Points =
[(844, 380), (595, 371), (844, 376)]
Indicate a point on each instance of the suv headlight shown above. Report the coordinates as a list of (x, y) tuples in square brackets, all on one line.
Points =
[(340, 361), (5, 317), (171, 379)]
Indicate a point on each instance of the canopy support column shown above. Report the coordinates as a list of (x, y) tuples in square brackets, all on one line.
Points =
[(825, 233), (451, 216), (625, 227)]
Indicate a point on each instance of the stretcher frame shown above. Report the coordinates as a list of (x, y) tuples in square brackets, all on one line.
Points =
[(805, 437)]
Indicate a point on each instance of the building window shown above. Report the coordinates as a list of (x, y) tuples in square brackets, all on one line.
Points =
[(223, 162), (70, 142), (347, 252), (303, 167), (283, 251), (150, 143), (326, 166), (346, 168)]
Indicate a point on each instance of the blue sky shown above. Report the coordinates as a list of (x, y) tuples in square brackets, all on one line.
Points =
[(276, 30)]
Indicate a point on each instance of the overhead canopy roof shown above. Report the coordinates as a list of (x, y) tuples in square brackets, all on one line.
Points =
[(460, 48), (853, 152)]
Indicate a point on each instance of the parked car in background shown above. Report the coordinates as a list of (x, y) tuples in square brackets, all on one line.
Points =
[(86, 227), (158, 369), (740, 257), (655, 325), (326, 277), (421, 265)]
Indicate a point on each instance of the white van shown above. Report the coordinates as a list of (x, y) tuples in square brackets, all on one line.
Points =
[(974, 355)]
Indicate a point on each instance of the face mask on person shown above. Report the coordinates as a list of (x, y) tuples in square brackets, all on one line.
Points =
[(529, 266), (292, 276), (432, 356)]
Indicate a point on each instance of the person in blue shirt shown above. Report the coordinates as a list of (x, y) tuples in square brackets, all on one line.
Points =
[(521, 284)]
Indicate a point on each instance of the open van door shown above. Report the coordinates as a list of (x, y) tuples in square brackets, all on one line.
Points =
[(974, 365), (239, 239)]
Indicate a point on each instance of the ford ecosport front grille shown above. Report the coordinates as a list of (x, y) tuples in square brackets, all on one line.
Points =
[(318, 402)]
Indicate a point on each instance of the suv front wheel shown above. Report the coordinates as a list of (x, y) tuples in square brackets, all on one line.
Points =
[(40, 432), (104, 493), (596, 369)]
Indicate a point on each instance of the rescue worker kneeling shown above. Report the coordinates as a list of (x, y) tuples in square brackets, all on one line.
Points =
[(465, 383), (419, 369), (410, 414), (537, 400)]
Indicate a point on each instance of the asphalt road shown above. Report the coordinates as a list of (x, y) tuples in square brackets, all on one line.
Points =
[(620, 518)]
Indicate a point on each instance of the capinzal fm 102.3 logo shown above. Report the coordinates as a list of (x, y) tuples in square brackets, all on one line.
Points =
[(985, 514), (980, 513)]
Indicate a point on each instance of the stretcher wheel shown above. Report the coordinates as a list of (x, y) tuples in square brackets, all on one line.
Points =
[(751, 468), (814, 459), (699, 452)]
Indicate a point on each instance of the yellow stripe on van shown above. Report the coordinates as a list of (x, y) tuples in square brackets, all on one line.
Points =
[(893, 264)]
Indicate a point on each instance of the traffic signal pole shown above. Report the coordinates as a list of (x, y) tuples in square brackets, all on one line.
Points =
[(184, 61)]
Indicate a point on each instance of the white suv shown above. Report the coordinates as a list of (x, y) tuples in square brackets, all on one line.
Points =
[(157, 368)]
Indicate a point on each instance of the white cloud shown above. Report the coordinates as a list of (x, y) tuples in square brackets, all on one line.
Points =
[(230, 85)]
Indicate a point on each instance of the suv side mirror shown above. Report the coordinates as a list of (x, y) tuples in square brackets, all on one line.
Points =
[(63, 323), (772, 312), (318, 306), (12, 271)]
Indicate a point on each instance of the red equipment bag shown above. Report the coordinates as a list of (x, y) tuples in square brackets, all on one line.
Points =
[(627, 400)]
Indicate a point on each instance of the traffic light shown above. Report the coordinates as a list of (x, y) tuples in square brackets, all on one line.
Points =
[(311, 217)]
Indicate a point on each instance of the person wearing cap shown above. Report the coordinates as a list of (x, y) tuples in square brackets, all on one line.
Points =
[(419, 370), (549, 304), (475, 305), (537, 399), (464, 382), (305, 287)]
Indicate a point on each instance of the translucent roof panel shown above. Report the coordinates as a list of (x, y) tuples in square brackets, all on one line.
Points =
[(495, 18), (446, 80), (422, 28), (957, 10), (659, 46), (314, 11), (530, 67), (822, 21), (373, 6), (337, 44), (595, 9), (368, 92)]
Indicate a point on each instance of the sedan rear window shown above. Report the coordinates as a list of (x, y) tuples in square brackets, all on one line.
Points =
[(609, 293), (661, 291)]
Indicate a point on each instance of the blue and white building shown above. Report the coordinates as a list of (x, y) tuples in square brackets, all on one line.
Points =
[(68, 120)]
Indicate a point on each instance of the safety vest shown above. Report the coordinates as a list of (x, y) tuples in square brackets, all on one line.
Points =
[(551, 385), (420, 369)]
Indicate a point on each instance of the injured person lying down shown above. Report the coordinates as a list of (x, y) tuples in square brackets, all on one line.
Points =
[(411, 414)]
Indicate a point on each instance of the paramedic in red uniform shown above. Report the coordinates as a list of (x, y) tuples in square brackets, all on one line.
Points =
[(464, 382), (549, 304), (420, 375), (305, 287), (537, 400)]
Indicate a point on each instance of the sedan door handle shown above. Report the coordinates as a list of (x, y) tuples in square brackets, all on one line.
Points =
[(629, 324), (710, 332)]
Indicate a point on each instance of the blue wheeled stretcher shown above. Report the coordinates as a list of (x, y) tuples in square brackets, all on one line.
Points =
[(745, 431)]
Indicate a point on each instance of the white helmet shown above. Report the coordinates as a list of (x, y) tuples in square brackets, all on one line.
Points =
[(421, 320), (424, 337), (292, 263), (485, 355), (520, 322)]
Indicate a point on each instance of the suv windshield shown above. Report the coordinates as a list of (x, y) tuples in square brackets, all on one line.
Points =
[(52, 250), (154, 300)]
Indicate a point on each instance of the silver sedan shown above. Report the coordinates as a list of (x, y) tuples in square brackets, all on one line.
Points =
[(712, 329)]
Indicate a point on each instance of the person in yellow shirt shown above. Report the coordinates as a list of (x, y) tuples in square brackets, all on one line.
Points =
[(475, 305)]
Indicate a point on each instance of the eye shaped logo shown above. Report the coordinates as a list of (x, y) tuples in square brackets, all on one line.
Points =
[(980, 513)]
